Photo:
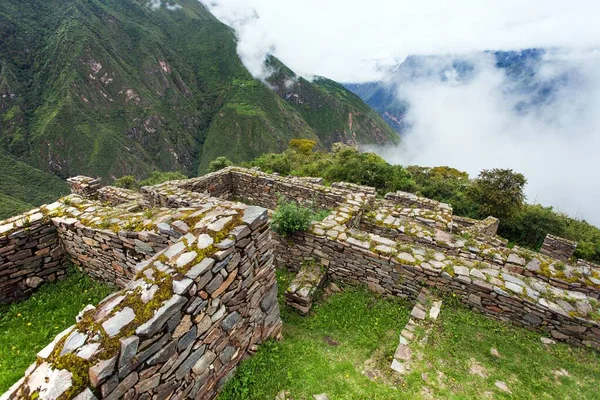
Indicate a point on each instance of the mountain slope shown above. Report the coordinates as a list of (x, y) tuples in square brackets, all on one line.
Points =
[(22, 187), (115, 87)]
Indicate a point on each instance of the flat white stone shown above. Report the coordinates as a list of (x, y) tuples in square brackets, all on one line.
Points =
[(87, 394), (148, 293), (459, 270), (174, 250), (434, 312), (513, 279), (182, 286), (46, 351), (58, 382), (399, 367), (113, 325), (74, 341), (6, 228), (406, 257), (186, 258), (38, 377), (513, 287), (86, 352), (478, 274), (219, 224), (200, 268), (204, 241)]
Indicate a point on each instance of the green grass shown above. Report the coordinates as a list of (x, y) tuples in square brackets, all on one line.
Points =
[(27, 327), (365, 329)]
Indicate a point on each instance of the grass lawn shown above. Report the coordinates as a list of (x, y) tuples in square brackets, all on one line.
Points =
[(27, 327), (345, 346)]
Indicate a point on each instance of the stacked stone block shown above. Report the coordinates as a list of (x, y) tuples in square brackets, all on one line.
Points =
[(487, 227), (30, 255), (118, 196), (411, 200), (301, 292), (190, 312), (559, 248), (416, 332), (84, 186)]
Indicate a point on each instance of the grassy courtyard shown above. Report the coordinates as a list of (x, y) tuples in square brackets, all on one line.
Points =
[(344, 349), (27, 327), (345, 346)]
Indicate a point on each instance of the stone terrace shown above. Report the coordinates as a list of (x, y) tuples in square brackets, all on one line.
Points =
[(198, 290)]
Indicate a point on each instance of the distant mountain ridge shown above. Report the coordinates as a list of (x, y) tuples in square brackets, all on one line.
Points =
[(523, 71)]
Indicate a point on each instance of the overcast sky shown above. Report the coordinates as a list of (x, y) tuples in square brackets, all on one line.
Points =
[(467, 126)]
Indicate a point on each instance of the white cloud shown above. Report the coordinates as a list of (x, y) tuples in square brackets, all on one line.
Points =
[(473, 125), (347, 40)]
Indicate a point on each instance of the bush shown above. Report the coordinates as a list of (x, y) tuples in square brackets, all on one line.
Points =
[(126, 182), (289, 217), (219, 163)]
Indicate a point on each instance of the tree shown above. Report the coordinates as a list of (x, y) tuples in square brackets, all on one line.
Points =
[(219, 163), (498, 192)]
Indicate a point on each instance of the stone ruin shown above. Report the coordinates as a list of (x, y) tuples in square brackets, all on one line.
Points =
[(194, 260)]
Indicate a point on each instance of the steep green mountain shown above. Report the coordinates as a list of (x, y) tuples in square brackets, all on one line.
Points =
[(115, 87), (336, 114)]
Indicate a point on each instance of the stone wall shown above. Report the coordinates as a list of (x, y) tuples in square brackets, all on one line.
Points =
[(199, 290), (527, 302), (413, 201), (265, 190), (486, 227), (30, 255), (179, 329), (106, 255), (84, 186), (557, 247), (217, 184)]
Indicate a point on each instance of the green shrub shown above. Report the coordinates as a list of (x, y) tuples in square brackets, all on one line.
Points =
[(126, 182), (219, 163), (289, 217)]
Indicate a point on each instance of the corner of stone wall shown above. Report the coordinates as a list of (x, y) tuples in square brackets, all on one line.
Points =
[(31, 254), (180, 328), (84, 186), (559, 248)]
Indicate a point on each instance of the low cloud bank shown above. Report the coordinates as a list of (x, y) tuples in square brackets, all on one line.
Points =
[(475, 124)]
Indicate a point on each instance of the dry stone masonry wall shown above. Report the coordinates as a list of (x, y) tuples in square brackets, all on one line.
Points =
[(198, 289), (559, 248), (402, 243), (30, 255), (198, 303)]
